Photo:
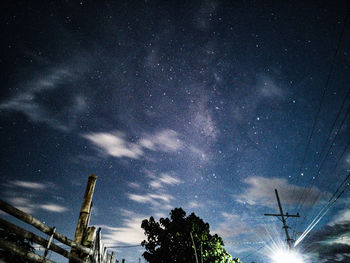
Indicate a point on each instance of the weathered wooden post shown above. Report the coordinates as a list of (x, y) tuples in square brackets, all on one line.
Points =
[(85, 211)]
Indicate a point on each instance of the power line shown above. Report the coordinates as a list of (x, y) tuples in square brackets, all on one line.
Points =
[(323, 212), (323, 93), (322, 99), (341, 185), (322, 163), (324, 159), (334, 169), (252, 253), (130, 246)]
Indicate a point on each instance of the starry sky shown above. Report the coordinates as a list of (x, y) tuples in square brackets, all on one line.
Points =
[(204, 105)]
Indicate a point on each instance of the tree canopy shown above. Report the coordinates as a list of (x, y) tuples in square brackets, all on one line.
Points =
[(182, 239)]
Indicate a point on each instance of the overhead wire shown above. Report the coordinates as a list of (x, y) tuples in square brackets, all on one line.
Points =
[(323, 95), (324, 210), (320, 167), (252, 253), (325, 157), (127, 246), (334, 169), (320, 107)]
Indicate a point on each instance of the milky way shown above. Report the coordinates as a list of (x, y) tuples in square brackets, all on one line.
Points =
[(206, 105)]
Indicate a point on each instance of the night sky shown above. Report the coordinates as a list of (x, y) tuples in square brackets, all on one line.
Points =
[(204, 105)]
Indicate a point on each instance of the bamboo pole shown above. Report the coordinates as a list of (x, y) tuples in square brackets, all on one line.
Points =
[(85, 209), (84, 215), (23, 254), (37, 239), (42, 227)]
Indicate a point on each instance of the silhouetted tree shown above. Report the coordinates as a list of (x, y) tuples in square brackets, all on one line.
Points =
[(170, 240)]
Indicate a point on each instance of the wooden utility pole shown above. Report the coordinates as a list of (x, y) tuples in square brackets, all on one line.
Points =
[(290, 241), (85, 211)]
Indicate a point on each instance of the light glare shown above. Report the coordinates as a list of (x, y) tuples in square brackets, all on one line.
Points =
[(286, 256)]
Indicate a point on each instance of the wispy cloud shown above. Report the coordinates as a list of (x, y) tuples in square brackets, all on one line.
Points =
[(231, 226), (150, 198), (22, 203), (115, 143), (194, 204), (238, 228), (33, 97), (26, 101), (342, 216), (23, 195), (260, 191), (28, 206), (53, 208), (166, 140), (163, 180), (269, 88), (331, 243), (157, 197), (28, 184), (129, 233)]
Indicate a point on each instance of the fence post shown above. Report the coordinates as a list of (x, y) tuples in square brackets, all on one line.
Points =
[(31, 220), (84, 212)]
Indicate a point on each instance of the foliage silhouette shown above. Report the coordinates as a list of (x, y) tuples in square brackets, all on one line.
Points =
[(169, 240)]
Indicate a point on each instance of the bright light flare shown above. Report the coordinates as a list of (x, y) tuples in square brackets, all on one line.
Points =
[(286, 256)]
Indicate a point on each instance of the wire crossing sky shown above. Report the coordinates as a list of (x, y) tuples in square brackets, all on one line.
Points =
[(204, 105)]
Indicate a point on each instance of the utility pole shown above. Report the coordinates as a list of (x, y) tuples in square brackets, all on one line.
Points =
[(85, 211), (283, 216)]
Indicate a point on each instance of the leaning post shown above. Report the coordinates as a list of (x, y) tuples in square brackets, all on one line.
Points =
[(85, 211)]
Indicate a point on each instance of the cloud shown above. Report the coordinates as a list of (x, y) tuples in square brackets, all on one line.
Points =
[(342, 216), (166, 140), (129, 233), (116, 145), (260, 191), (194, 204), (27, 101), (156, 198), (41, 100), (231, 226), (30, 207), (53, 208), (22, 203), (28, 184), (134, 185), (269, 88), (332, 242), (151, 198), (164, 179), (240, 228)]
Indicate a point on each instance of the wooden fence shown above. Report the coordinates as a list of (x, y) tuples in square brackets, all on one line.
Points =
[(95, 252)]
